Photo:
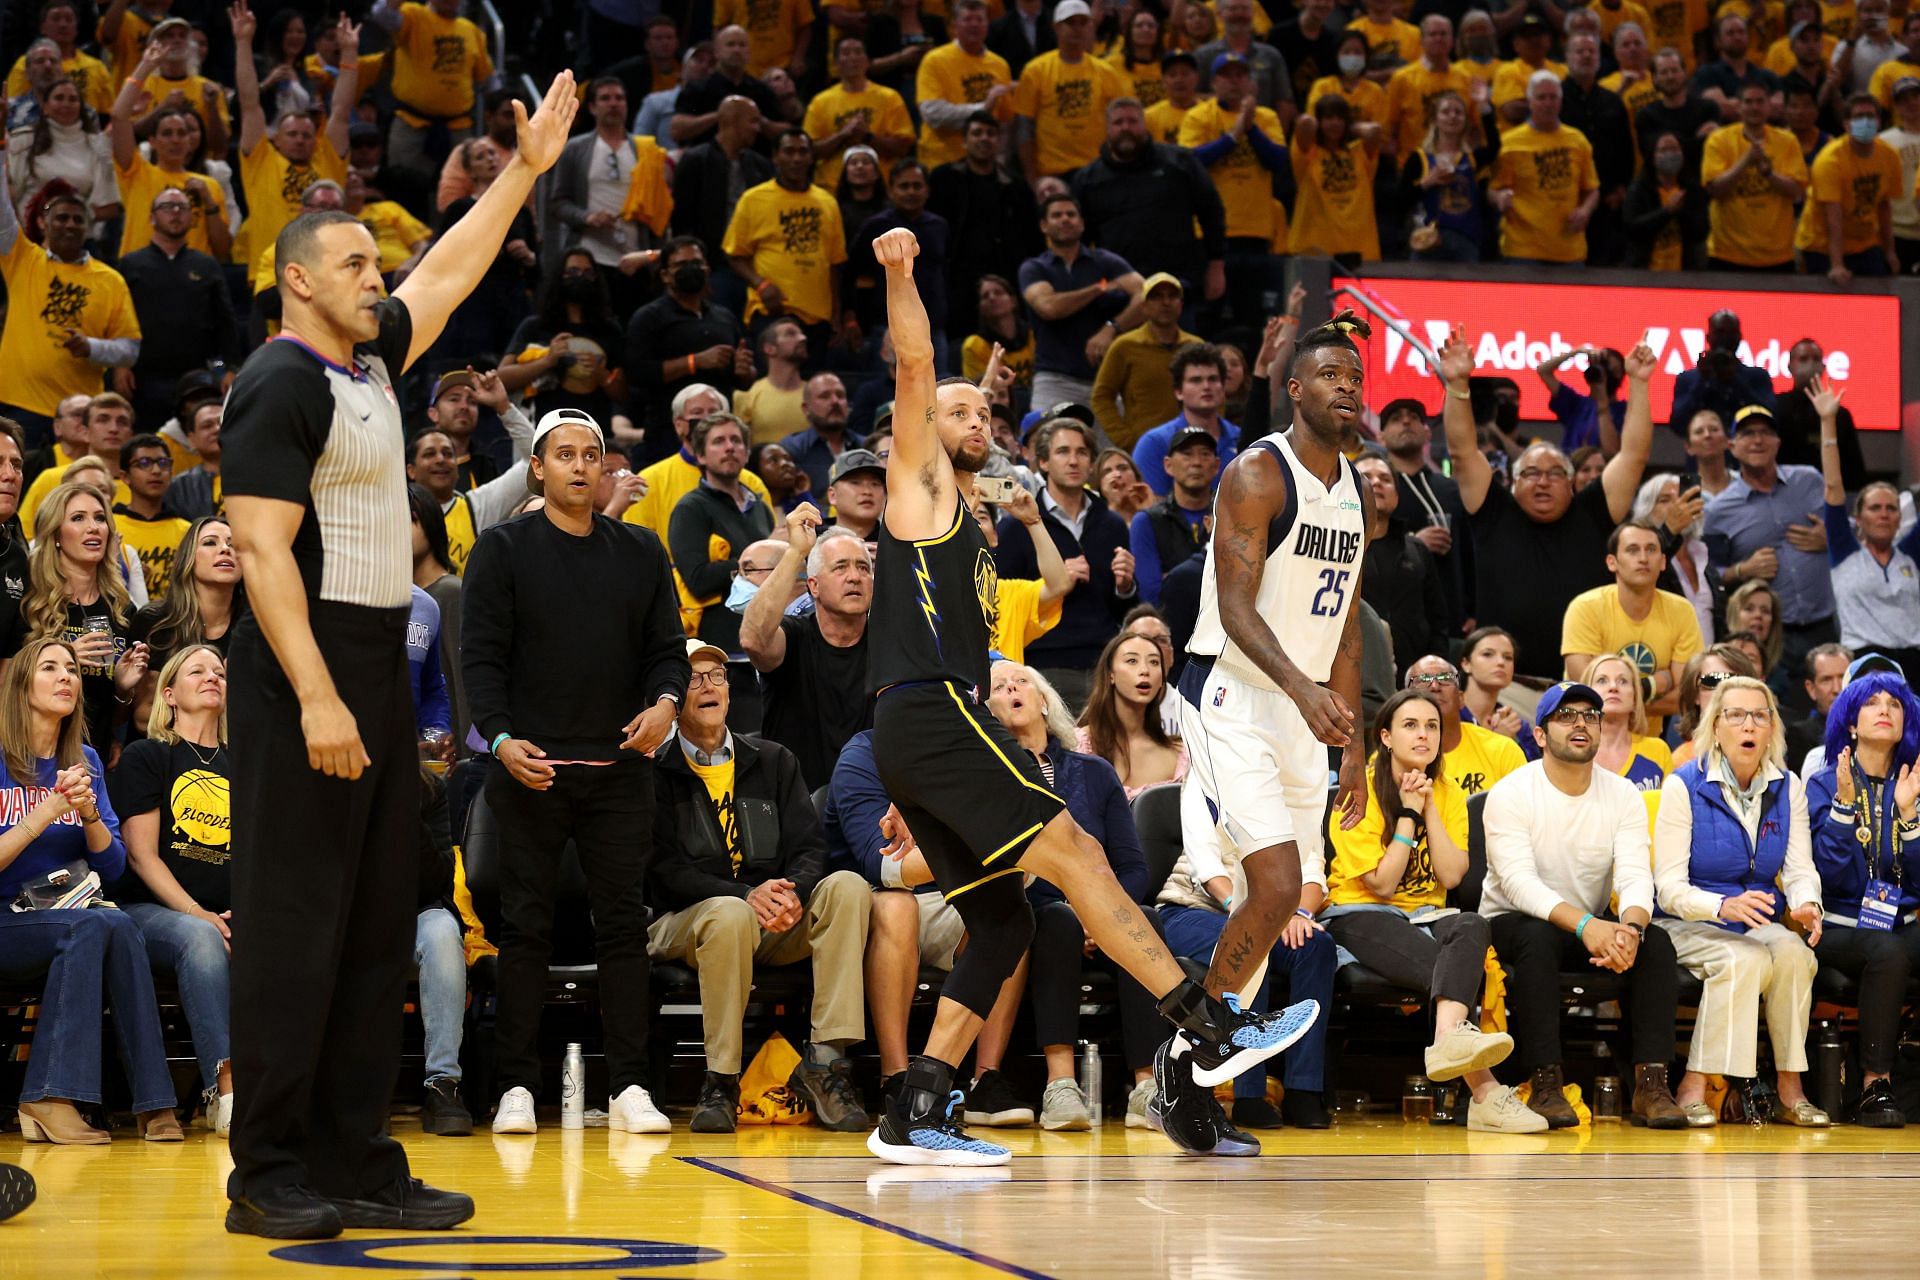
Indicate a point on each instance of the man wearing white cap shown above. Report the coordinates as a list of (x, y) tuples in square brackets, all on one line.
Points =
[(546, 597), (1060, 103)]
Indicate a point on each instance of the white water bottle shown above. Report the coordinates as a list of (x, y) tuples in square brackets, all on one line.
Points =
[(573, 1089)]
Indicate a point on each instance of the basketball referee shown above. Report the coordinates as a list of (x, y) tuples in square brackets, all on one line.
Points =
[(325, 786)]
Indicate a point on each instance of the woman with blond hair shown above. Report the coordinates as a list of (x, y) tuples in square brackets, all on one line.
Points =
[(1625, 747), (89, 470), (1732, 860), (77, 591), (200, 607), (1754, 607), (171, 790), (55, 814)]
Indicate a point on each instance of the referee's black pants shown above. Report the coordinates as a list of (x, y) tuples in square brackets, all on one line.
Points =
[(324, 899), (607, 812)]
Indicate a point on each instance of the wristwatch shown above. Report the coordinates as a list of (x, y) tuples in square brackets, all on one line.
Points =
[(1639, 930)]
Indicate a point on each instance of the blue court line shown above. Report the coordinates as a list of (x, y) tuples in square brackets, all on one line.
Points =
[(854, 1215)]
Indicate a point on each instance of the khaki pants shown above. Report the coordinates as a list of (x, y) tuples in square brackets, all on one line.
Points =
[(722, 940), (1771, 963)]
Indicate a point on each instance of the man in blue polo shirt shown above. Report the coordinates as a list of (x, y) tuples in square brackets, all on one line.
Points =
[(1081, 298), (1766, 526), (1200, 385), (824, 401)]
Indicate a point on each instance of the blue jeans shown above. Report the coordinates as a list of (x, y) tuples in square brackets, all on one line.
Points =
[(440, 960), (79, 953), (1193, 933), (193, 951)]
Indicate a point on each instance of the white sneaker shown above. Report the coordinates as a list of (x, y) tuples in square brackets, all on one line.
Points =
[(1503, 1112), (1466, 1048), (1063, 1106), (515, 1113), (220, 1115), (633, 1112), (1137, 1104)]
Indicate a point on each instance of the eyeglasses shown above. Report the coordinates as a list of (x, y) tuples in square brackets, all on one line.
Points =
[(1571, 716), (1740, 717), (716, 679), (176, 206), (1536, 475), (152, 464), (745, 572), (1438, 680)]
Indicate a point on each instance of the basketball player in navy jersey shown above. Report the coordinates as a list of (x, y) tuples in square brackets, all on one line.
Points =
[(963, 790), (1272, 680)]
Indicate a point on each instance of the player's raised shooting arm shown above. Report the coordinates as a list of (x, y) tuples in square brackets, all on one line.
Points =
[(1252, 493), (913, 468)]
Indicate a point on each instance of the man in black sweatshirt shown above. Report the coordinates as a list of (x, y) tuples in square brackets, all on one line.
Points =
[(575, 666)]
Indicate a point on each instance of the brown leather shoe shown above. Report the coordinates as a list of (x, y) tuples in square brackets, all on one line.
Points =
[(1549, 1099), (159, 1126), (1653, 1104), (56, 1120)]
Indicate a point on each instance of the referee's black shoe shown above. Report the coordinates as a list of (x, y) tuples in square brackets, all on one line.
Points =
[(408, 1205), (284, 1213), (16, 1190)]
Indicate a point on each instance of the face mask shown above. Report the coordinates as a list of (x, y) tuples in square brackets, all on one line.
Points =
[(689, 277), (1863, 128), (578, 288), (1352, 64), (741, 594), (1480, 50), (1667, 165)]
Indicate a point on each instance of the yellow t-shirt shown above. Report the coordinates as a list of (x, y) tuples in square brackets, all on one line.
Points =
[(89, 75), (833, 106), (155, 542), (1410, 95), (323, 77), (45, 299), (1068, 107), (1023, 617), (1884, 76), (669, 480), (1627, 12), (1396, 37), (1244, 184), (193, 88), (49, 480), (1510, 79), (394, 229), (1633, 97), (1333, 212), (1669, 251), (1753, 223), (1548, 173), (123, 54), (461, 535), (1144, 76), (769, 412), (1358, 852), (1779, 59), (978, 349), (1837, 19), (1482, 759), (1674, 22), (719, 781), (951, 74), (1367, 99), (142, 181), (1596, 624), (1164, 119), (274, 186), (794, 239), (773, 27), (1857, 184), (437, 62)]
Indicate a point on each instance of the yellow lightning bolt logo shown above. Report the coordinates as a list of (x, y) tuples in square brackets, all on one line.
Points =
[(924, 580)]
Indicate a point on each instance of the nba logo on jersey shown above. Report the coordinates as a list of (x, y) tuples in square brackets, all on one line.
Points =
[(1220, 696)]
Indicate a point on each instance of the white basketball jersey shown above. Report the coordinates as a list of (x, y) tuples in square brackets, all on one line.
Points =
[(1312, 574)]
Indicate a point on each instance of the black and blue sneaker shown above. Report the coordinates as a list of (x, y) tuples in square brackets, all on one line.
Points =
[(1188, 1115), (937, 1138), (1243, 1041), (1233, 1142)]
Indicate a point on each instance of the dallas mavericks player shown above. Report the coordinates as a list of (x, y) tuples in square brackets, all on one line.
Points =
[(1274, 674)]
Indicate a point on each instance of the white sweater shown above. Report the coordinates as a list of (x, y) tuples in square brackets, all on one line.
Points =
[(1545, 847)]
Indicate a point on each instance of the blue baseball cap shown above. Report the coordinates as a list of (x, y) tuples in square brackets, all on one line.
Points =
[(1230, 59), (1868, 663), (1560, 694)]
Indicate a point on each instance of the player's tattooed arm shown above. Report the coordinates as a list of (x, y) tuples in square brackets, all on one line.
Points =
[(1252, 492)]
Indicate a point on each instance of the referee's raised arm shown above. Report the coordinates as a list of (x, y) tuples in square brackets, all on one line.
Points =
[(462, 254)]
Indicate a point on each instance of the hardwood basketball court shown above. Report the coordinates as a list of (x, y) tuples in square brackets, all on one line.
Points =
[(1369, 1198)]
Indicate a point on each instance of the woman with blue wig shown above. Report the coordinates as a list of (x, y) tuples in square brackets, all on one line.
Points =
[(1864, 809)]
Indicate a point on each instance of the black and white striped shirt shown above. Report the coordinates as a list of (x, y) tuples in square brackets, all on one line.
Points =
[(302, 429)]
